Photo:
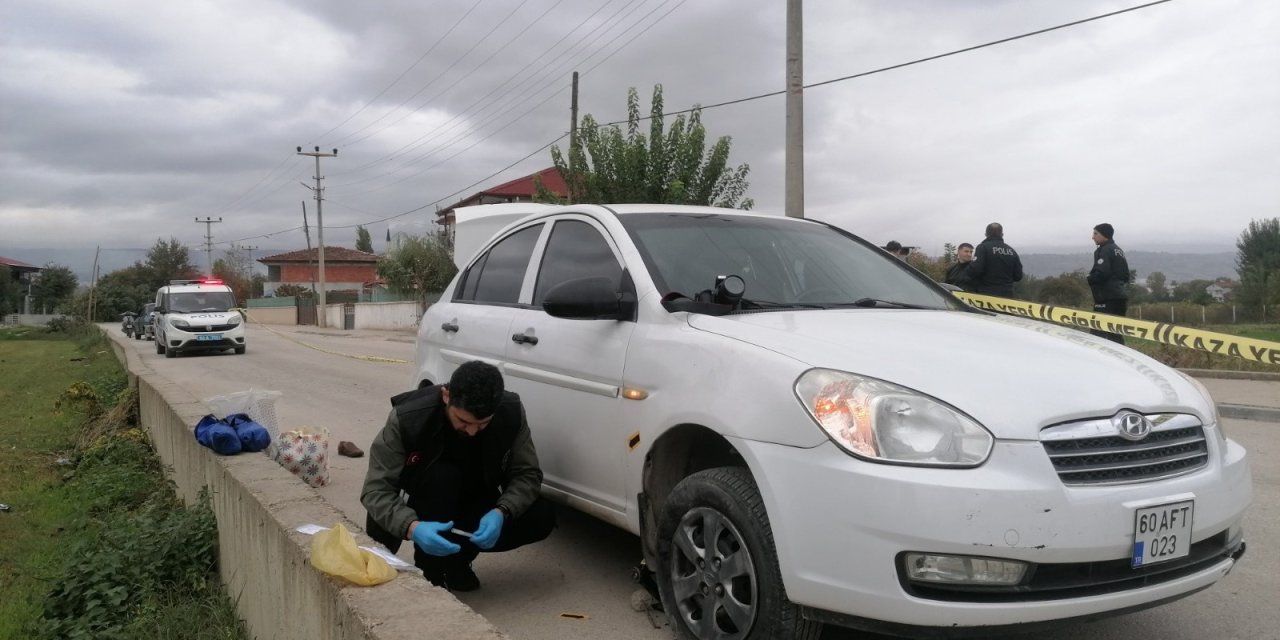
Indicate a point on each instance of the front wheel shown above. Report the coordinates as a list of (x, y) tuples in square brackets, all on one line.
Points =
[(240, 350), (718, 570)]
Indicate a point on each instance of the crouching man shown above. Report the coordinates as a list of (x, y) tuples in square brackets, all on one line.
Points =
[(463, 455)]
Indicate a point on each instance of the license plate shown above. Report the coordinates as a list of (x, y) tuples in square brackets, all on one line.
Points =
[(208, 337), (1162, 533)]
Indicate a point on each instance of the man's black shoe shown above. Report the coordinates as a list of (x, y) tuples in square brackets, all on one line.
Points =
[(434, 576), (461, 578)]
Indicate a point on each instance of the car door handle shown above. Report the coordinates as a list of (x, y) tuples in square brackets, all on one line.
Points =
[(520, 338), (451, 327)]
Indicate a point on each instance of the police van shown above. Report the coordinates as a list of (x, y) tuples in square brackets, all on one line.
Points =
[(197, 315)]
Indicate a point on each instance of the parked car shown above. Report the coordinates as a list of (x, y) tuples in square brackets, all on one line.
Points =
[(803, 429), (197, 315), (144, 324)]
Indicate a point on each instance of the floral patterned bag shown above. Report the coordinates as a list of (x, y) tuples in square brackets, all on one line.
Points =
[(305, 452)]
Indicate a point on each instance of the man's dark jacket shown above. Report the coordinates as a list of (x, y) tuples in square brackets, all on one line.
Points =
[(1110, 273), (958, 274), (994, 268), (414, 438)]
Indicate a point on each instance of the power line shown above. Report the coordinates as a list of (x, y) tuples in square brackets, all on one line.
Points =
[(347, 139), (746, 99), (513, 105), (910, 63), (406, 71), (417, 142)]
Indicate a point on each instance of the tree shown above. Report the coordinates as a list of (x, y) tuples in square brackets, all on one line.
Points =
[(672, 166), (169, 261), (364, 242), (10, 292), (1258, 263), (55, 285), (1156, 283), (419, 265), (286, 290), (1192, 291), (1066, 290)]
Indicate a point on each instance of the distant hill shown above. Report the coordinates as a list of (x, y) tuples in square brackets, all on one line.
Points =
[(1177, 267)]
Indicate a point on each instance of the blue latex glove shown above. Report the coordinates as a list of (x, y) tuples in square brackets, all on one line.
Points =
[(490, 528), (427, 536)]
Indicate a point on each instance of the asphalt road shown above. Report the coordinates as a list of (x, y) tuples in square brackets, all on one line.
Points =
[(584, 568)]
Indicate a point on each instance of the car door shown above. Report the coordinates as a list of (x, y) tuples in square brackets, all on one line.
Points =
[(473, 324), (569, 372)]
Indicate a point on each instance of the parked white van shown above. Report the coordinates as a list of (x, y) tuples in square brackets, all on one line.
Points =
[(803, 429), (197, 315)]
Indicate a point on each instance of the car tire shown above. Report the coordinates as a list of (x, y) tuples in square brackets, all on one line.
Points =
[(734, 591), (240, 350), (159, 346), (170, 353)]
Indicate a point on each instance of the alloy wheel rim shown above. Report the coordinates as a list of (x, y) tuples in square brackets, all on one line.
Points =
[(713, 576)]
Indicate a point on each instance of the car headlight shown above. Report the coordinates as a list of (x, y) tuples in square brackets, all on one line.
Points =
[(1208, 398), (884, 422), (234, 320), (179, 323)]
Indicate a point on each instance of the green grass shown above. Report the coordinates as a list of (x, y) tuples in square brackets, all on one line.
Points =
[(1187, 358), (95, 544), (1257, 331)]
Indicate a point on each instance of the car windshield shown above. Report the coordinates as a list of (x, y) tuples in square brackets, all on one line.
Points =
[(194, 301), (785, 263)]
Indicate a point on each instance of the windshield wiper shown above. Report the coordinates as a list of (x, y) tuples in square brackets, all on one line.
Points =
[(769, 304), (876, 302)]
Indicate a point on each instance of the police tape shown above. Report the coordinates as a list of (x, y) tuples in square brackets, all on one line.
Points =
[(1208, 341), (245, 313)]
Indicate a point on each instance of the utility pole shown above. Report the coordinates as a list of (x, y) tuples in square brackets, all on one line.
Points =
[(319, 191), (573, 138), (794, 190), (250, 263), (208, 240), (93, 284), (306, 228)]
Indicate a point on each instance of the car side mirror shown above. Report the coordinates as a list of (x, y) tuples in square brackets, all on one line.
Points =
[(594, 298)]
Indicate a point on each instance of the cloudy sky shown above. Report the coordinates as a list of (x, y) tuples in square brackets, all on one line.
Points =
[(122, 122)]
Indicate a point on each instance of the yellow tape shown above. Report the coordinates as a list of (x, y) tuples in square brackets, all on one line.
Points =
[(245, 313), (1208, 341)]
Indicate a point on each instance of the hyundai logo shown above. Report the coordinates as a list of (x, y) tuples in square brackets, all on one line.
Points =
[(1131, 426)]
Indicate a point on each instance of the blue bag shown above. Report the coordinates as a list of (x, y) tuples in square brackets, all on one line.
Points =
[(217, 435), (253, 436)]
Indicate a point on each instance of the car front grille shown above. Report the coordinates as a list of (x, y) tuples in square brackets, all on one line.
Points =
[(217, 328), (1094, 453)]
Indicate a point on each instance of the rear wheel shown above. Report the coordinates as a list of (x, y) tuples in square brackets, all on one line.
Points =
[(718, 570)]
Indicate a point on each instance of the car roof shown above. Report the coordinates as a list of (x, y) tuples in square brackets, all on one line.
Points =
[(625, 209)]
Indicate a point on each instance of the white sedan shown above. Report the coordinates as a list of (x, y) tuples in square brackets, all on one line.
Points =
[(804, 430)]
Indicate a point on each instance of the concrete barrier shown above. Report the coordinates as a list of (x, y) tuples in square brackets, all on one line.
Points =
[(263, 562)]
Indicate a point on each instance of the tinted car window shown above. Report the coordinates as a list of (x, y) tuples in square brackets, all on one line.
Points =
[(575, 250), (497, 276), (781, 260)]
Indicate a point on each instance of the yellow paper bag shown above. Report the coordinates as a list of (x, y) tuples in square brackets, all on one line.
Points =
[(335, 552)]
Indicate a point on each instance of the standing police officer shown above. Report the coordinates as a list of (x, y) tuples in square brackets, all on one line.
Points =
[(1108, 279), (996, 266)]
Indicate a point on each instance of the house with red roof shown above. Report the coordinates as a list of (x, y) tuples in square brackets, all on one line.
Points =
[(518, 190), (344, 269), (19, 271)]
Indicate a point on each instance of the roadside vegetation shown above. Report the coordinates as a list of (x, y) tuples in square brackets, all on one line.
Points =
[(95, 541)]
